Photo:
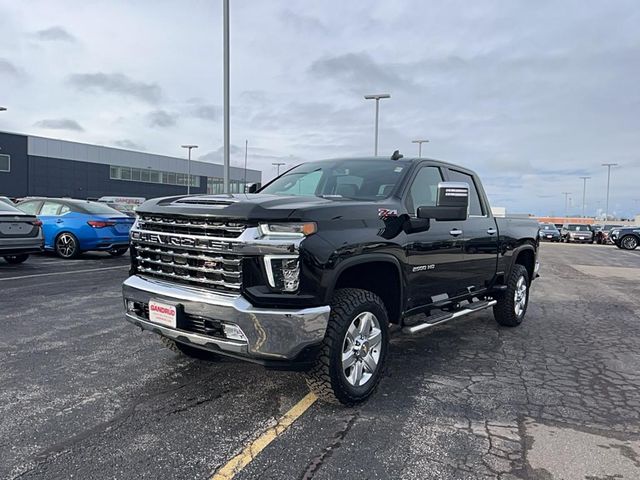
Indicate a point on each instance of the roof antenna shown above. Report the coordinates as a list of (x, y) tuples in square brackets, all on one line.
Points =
[(396, 155)]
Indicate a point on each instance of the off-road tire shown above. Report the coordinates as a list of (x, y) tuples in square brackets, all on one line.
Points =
[(505, 310), (327, 378), (182, 349), (15, 259)]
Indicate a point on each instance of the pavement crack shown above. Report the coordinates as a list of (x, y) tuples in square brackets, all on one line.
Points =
[(317, 462)]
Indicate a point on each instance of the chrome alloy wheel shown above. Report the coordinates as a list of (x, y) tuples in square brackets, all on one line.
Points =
[(361, 349), (629, 242), (520, 297), (66, 245)]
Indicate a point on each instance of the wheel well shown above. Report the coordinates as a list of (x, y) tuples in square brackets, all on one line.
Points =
[(381, 278), (527, 259)]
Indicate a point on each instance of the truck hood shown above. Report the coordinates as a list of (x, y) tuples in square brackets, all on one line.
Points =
[(262, 206)]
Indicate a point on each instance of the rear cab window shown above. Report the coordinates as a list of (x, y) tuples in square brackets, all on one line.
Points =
[(476, 208)]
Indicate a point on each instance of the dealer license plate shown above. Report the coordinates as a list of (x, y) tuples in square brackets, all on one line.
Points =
[(163, 313)]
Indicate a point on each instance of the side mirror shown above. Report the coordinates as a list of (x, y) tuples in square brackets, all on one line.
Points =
[(253, 188), (452, 203)]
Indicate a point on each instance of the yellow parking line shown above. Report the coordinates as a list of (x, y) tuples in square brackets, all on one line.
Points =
[(251, 451)]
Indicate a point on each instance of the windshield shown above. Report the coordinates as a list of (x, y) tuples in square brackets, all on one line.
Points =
[(353, 179), (98, 208), (549, 227), (579, 228)]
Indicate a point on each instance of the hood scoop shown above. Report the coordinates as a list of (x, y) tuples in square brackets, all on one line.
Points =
[(209, 201)]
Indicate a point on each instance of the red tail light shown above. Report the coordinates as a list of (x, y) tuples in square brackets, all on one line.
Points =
[(36, 223), (100, 223)]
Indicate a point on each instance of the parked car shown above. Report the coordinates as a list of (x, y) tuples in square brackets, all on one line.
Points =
[(601, 233), (626, 238), (577, 232), (75, 226), (309, 272), (549, 232), (126, 205), (20, 234)]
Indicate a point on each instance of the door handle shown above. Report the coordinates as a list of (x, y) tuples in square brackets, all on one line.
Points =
[(455, 232), (59, 220), (492, 231)]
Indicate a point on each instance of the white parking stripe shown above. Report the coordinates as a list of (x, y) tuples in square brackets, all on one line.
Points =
[(63, 273)]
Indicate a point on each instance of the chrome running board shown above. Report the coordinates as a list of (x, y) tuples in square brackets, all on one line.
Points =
[(438, 319)]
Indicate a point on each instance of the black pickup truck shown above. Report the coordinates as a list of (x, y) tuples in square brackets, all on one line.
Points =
[(312, 271)]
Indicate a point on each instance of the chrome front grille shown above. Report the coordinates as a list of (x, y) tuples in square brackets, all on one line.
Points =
[(208, 227), (208, 263)]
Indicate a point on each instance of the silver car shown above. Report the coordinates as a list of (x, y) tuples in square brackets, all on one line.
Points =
[(20, 234)]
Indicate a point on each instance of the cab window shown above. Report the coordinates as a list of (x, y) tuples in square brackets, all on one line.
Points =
[(424, 189), (475, 206)]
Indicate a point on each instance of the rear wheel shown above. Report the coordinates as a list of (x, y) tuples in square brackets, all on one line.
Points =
[(354, 350), (67, 245), (512, 306), (629, 242), (117, 252), (181, 348), (14, 259)]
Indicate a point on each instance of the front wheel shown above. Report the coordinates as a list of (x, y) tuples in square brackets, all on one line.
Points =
[(15, 259), (512, 306), (67, 245), (354, 349), (629, 242)]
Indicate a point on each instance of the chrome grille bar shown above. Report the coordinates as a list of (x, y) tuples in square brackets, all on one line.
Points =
[(188, 278), (189, 267), (190, 256)]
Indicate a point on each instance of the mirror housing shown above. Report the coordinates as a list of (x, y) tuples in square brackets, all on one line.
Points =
[(253, 188), (452, 203)]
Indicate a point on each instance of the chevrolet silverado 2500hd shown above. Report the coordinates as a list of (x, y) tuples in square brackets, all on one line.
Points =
[(310, 272)]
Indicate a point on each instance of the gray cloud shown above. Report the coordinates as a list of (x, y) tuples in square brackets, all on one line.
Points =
[(58, 34), (358, 71), (161, 118), (59, 124), (8, 68), (207, 112), (128, 144), (117, 83)]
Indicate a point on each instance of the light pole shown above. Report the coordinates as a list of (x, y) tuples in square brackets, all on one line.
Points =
[(419, 142), (584, 193), (225, 42), (278, 165), (246, 147), (606, 208), (566, 204), (189, 147), (377, 98)]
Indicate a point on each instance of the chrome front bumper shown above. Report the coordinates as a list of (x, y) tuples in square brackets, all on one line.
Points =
[(271, 334)]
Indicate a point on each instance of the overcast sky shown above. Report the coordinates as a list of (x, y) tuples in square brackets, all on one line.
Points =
[(532, 95)]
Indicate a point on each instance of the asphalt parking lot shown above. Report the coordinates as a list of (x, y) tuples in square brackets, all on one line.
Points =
[(84, 394)]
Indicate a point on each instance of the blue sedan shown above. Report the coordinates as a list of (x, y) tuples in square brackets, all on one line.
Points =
[(74, 226)]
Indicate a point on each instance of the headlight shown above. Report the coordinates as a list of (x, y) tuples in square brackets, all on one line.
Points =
[(283, 272), (296, 230)]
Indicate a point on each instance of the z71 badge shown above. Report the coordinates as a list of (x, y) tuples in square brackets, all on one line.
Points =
[(385, 213)]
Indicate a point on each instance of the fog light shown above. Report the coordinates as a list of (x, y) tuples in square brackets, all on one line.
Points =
[(283, 272), (233, 332), (131, 306)]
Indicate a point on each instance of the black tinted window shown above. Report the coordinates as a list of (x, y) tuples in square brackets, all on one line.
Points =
[(424, 189), (475, 207)]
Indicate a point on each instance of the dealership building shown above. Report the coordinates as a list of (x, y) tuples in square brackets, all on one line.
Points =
[(38, 166)]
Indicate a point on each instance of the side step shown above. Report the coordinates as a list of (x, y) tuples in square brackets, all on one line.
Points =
[(445, 317)]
